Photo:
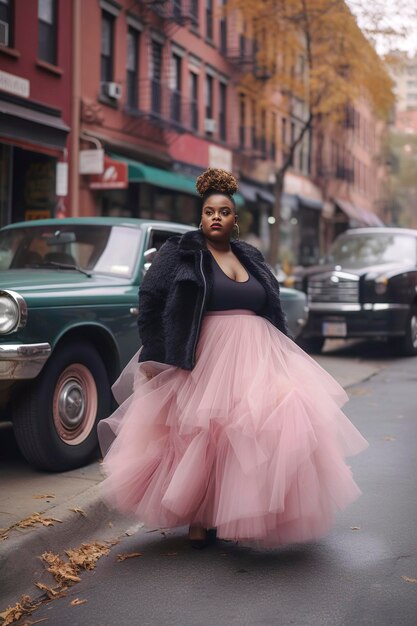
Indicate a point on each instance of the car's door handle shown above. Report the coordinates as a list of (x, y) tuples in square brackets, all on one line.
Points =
[(134, 310)]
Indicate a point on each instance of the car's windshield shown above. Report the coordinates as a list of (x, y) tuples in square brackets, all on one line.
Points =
[(98, 249), (373, 249)]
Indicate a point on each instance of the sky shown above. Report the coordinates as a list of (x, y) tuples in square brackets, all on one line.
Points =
[(397, 15)]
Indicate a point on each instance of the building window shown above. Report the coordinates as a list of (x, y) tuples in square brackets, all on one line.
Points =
[(176, 88), (273, 152), (242, 45), (222, 111), (107, 44), (242, 120), (132, 68), (284, 133), (156, 74), (292, 140), (209, 19), (254, 139), (194, 100), (47, 26), (223, 29), (301, 158), (194, 13), (6, 16), (263, 133), (209, 101)]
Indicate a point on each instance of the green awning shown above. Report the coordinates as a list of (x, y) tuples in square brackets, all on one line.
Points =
[(141, 173)]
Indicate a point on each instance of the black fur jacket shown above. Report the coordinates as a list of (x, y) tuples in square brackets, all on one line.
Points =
[(174, 292)]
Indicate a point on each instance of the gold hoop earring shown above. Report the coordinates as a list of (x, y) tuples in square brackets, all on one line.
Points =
[(236, 226)]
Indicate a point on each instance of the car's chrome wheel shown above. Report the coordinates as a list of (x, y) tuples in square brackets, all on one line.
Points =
[(55, 420), (74, 405)]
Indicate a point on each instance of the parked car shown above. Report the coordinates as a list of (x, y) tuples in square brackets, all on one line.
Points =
[(68, 325), (365, 287)]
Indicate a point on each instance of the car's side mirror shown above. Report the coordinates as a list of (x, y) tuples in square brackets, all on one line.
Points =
[(148, 257)]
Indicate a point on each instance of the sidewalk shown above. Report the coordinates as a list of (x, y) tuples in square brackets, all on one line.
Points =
[(74, 499)]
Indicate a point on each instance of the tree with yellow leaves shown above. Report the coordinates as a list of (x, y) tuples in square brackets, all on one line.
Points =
[(313, 54)]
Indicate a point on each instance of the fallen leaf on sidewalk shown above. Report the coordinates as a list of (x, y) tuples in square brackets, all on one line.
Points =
[(64, 573), (43, 496), (131, 555), (409, 580), (28, 522), (87, 554), (13, 613), (51, 592), (37, 518), (355, 528), (80, 511), (77, 602)]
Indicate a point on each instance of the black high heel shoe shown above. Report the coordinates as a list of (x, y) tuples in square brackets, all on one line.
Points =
[(210, 537)]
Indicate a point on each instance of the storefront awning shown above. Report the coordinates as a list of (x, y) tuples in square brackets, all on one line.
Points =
[(141, 173), (358, 215), (252, 193), (309, 203), (30, 125), (295, 201)]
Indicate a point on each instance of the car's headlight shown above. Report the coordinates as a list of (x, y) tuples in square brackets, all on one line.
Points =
[(381, 285), (13, 312)]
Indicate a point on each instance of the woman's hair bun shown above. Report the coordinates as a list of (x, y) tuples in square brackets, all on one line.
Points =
[(216, 180)]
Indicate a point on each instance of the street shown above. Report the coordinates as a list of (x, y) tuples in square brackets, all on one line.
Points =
[(363, 572)]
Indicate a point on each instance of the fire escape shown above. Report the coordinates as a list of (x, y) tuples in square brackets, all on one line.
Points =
[(242, 53), (163, 112)]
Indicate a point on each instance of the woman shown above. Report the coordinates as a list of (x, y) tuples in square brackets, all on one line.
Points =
[(230, 424)]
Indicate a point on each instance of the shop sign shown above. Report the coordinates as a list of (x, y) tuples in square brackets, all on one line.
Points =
[(91, 161), (61, 179), (37, 214), (114, 176), (14, 84), (219, 157)]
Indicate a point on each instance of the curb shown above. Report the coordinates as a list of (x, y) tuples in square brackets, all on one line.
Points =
[(20, 563)]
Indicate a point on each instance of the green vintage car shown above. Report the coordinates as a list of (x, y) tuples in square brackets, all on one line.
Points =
[(68, 325)]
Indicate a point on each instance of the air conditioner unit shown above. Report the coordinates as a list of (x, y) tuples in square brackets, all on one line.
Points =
[(4, 33), (210, 125), (112, 90)]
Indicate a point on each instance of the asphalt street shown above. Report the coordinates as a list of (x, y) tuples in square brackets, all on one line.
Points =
[(364, 572)]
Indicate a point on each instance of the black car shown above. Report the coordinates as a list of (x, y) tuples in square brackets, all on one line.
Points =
[(365, 287)]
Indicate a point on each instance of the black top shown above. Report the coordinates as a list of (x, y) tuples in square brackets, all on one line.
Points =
[(229, 294)]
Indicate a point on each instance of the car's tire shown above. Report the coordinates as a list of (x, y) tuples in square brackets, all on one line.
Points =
[(407, 344), (312, 345), (55, 419)]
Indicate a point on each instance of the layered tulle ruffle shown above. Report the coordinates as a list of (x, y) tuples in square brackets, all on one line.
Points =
[(252, 441)]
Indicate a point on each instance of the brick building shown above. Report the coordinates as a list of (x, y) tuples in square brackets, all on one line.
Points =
[(351, 171), (35, 107), (153, 95)]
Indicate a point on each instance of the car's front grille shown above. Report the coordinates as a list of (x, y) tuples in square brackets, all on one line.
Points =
[(333, 288)]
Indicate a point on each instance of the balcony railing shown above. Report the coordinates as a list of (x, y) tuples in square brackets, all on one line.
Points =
[(165, 106)]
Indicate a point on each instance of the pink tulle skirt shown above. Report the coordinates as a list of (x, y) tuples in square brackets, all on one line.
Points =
[(252, 441)]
